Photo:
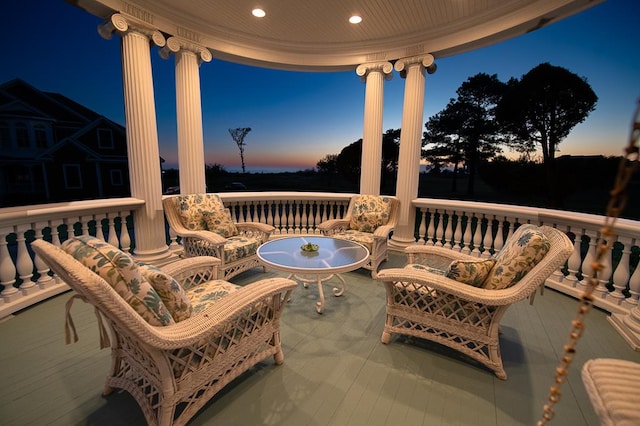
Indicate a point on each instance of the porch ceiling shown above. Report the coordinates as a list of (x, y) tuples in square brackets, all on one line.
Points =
[(316, 35)]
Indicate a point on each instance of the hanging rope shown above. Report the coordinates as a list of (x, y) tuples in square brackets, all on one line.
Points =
[(616, 205)]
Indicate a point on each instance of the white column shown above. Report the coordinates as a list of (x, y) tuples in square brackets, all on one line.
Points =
[(189, 112), (410, 144), (374, 75), (142, 134)]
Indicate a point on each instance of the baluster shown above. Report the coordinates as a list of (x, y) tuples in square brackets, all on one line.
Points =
[(99, 231), (587, 262), (44, 279), (55, 232), (291, 217), (112, 236), (277, 215), (498, 241), (457, 234), (24, 263), (431, 229), (488, 235), (444, 228), (634, 286), (304, 217), (575, 260), (125, 238), (477, 237), (605, 274), (84, 224), (7, 269), (268, 217), (621, 274), (467, 237), (315, 213), (422, 229)]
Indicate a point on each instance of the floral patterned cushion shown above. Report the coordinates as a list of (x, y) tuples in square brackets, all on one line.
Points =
[(193, 206), (122, 273), (202, 295), (170, 291), (364, 238), (239, 247), (522, 251), (369, 212), (472, 272), (220, 222)]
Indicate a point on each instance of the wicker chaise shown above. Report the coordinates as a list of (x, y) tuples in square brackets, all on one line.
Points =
[(173, 370), (207, 229), (433, 304)]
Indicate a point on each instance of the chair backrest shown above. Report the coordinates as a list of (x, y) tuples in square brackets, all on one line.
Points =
[(94, 289), (198, 212), (368, 212), (560, 249)]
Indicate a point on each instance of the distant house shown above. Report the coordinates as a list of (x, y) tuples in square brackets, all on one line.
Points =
[(53, 149)]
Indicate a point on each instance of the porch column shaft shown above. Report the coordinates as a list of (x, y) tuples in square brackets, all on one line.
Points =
[(191, 161), (142, 134), (410, 145), (374, 75)]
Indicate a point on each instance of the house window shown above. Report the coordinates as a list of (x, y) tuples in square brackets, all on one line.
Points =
[(72, 176), (5, 135), (40, 134), (105, 139), (22, 135), (116, 177)]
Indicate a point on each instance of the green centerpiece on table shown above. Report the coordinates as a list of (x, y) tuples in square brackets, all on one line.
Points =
[(309, 248)]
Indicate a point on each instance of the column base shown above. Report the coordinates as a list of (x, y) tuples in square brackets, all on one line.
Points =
[(400, 243), (157, 257)]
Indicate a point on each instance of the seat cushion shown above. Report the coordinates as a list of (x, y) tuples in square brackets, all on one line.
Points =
[(202, 295), (239, 246), (521, 252), (170, 291), (362, 237), (121, 272), (472, 272), (369, 212)]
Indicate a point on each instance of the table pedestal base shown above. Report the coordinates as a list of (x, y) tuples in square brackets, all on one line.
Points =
[(319, 279)]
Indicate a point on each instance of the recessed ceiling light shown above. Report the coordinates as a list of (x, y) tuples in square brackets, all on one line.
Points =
[(258, 13), (355, 19)]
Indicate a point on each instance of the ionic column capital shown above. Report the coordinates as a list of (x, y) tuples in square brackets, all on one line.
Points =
[(176, 44), (123, 24), (385, 68), (426, 61)]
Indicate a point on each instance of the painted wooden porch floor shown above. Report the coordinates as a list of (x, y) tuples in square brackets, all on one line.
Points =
[(336, 371)]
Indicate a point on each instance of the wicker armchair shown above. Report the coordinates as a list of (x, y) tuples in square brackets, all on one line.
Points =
[(207, 229), (431, 303), (369, 220), (174, 370)]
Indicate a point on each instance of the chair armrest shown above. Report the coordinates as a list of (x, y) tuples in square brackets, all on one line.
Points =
[(442, 284), (214, 320), (333, 224), (255, 226), (383, 231), (417, 252), (208, 236), (193, 270)]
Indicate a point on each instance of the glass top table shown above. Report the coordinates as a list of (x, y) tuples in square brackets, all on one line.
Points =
[(333, 257)]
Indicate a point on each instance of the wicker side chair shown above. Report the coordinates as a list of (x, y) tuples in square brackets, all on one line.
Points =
[(173, 370), (370, 220), (207, 229), (463, 310)]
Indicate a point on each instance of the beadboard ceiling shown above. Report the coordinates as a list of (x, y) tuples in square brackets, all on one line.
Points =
[(316, 35)]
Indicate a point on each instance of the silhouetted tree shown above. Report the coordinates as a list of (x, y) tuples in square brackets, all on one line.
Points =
[(328, 164), (238, 136), (467, 126), (542, 108)]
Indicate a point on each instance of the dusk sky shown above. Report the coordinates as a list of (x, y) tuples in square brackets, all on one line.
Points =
[(299, 117)]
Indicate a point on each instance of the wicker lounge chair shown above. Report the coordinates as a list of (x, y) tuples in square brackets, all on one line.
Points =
[(461, 306), (171, 370), (369, 220), (207, 229)]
